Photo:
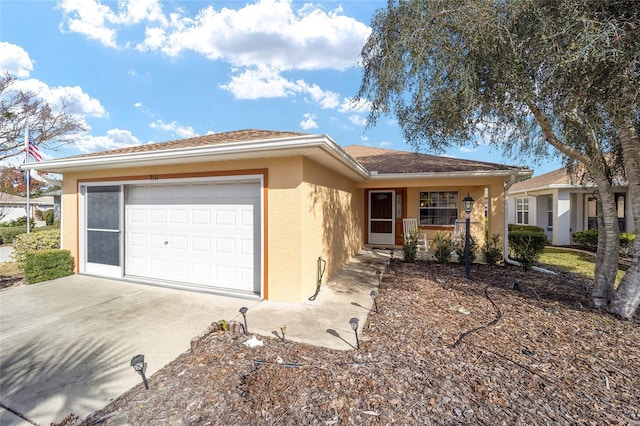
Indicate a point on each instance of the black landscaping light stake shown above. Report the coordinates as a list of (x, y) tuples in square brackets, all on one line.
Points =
[(283, 328), (243, 311), (354, 326), (468, 205), (391, 254), (137, 362), (374, 296), (379, 274)]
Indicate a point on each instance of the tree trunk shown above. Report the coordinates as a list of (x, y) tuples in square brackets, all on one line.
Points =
[(608, 245), (626, 298)]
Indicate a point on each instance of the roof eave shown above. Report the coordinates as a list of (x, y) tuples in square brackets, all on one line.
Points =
[(321, 148), (460, 174)]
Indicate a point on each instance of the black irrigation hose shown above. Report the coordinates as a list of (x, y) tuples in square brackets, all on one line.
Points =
[(487, 325)]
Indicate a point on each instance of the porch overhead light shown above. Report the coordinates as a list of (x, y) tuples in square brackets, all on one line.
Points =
[(137, 362)]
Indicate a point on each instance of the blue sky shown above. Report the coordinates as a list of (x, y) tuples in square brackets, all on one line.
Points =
[(147, 71)]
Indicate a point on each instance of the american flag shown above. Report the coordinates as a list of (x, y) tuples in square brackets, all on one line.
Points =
[(33, 150)]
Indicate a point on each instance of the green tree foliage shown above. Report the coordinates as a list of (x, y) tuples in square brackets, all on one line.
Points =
[(526, 76)]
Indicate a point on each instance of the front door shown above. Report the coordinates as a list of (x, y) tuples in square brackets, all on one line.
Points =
[(102, 237), (381, 217)]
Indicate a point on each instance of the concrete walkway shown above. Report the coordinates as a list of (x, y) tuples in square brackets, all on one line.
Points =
[(66, 345)]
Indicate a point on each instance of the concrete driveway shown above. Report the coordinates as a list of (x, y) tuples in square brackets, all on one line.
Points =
[(66, 345)]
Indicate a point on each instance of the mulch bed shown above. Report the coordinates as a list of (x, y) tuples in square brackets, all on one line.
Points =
[(505, 347)]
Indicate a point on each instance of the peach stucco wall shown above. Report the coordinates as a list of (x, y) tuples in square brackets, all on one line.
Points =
[(311, 212), (332, 223)]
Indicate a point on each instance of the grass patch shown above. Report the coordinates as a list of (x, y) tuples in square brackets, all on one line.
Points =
[(10, 269), (576, 262)]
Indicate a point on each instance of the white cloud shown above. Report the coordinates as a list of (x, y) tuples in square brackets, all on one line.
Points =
[(174, 128), (384, 144), (73, 98), (464, 149), (114, 139), (265, 33), (351, 105), (99, 22), (358, 120), (264, 82), (138, 105), (309, 122), (15, 60)]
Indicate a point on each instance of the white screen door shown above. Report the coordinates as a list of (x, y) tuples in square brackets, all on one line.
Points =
[(102, 234)]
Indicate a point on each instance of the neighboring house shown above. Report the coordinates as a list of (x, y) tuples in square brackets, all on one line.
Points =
[(250, 212), (13, 207), (558, 203)]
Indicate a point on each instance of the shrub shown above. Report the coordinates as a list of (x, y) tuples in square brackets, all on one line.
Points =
[(44, 265), (410, 247), (459, 249), (25, 243), (9, 234), (48, 216), (627, 240), (443, 247), (526, 228), (492, 251), (22, 221), (527, 247), (587, 239)]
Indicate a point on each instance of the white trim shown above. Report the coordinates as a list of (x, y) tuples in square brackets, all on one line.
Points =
[(313, 146)]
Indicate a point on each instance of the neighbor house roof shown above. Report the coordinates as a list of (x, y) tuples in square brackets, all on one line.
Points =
[(358, 162), (402, 163), (559, 178)]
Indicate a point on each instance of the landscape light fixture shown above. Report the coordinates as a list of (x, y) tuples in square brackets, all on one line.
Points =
[(243, 311), (391, 254), (283, 328), (468, 205), (379, 274), (354, 326), (137, 362), (374, 296)]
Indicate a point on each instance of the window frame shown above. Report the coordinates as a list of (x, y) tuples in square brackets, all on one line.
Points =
[(444, 208), (522, 213)]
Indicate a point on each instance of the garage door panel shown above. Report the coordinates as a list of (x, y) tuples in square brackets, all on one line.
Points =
[(208, 236)]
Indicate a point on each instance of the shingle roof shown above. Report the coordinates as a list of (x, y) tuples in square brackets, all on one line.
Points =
[(386, 161), (207, 140), (555, 177)]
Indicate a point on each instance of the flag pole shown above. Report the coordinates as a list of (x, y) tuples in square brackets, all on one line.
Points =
[(28, 177)]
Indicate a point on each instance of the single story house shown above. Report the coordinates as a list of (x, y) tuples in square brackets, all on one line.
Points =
[(251, 212), (14, 207), (561, 205)]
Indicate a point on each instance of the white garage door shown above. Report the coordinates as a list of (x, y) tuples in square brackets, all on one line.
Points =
[(197, 234)]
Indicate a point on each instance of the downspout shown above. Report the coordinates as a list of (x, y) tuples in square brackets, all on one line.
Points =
[(507, 185)]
